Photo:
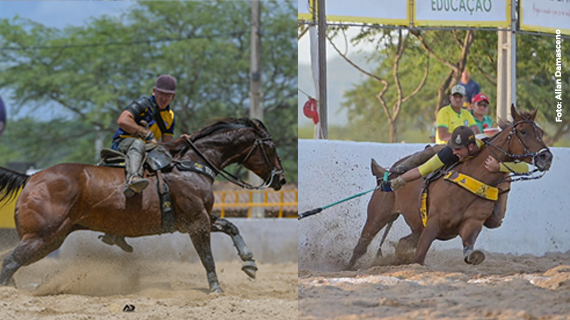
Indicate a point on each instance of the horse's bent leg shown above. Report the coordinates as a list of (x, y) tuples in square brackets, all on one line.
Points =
[(469, 232), (406, 248), (30, 249), (499, 209), (378, 216), (426, 239), (200, 235), (225, 226)]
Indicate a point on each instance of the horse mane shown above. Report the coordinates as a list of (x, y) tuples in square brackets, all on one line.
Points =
[(180, 146), (504, 123)]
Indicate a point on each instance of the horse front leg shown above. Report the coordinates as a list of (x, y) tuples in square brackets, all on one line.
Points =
[(469, 232), (428, 235), (380, 213), (199, 233), (225, 226)]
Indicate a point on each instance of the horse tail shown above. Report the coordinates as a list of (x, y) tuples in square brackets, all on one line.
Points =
[(10, 183)]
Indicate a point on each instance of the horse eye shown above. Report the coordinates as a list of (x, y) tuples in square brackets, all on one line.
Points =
[(523, 131)]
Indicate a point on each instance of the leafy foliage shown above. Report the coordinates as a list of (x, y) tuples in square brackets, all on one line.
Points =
[(535, 81), (94, 71)]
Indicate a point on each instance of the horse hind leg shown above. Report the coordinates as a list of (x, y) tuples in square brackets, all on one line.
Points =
[(225, 226), (30, 249)]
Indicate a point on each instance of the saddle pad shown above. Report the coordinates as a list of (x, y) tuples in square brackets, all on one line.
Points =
[(423, 207), (473, 185)]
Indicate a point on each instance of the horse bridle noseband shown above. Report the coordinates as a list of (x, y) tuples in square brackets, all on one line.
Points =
[(520, 176), (233, 179)]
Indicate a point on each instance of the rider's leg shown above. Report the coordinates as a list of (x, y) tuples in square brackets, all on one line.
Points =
[(500, 208), (416, 159), (134, 149)]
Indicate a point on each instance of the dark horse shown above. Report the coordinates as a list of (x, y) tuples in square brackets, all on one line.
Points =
[(452, 210), (69, 197)]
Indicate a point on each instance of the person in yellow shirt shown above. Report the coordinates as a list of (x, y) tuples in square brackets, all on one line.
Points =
[(462, 147), (452, 116)]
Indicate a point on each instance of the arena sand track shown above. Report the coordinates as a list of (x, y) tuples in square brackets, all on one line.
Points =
[(99, 288), (502, 287)]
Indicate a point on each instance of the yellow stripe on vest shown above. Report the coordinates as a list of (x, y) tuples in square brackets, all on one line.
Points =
[(475, 186)]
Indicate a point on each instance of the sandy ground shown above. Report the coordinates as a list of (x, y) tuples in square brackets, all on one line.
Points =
[(97, 288), (502, 287)]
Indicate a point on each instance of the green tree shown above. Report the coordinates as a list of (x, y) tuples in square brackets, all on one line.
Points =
[(94, 71), (451, 52)]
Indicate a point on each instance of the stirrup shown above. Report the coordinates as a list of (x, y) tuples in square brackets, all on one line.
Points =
[(116, 240), (135, 187)]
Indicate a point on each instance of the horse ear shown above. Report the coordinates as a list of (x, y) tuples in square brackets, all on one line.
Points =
[(533, 114), (515, 113)]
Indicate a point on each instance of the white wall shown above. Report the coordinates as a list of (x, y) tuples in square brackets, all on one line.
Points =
[(536, 222)]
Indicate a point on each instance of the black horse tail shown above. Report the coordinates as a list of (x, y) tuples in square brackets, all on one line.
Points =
[(10, 183)]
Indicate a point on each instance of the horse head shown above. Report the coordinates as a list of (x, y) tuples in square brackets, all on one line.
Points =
[(243, 141), (262, 158), (524, 140)]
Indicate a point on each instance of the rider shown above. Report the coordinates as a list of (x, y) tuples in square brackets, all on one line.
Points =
[(461, 147), (137, 126), (131, 136)]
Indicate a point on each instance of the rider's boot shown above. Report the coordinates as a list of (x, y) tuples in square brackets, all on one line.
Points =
[(116, 240), (416, 159), (135, 182)]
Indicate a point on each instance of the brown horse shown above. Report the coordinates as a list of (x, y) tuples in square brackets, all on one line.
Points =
[(69, 197), (452, 210)]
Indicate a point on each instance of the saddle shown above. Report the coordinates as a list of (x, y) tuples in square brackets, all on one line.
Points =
[(157, 161)]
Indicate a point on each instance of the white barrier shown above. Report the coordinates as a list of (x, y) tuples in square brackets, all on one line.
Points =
[(270, 240), (536, 221)]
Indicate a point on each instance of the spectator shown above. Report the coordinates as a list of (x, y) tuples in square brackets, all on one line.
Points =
[(471, 86), (479, 110), (452, 116)]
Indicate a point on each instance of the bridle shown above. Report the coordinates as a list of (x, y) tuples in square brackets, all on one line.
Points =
[(516, 176), (259, 141)]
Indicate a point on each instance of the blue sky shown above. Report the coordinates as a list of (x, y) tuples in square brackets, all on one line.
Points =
[(61, 13)]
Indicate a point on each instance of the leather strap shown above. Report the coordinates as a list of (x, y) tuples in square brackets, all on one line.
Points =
[(168, 214)]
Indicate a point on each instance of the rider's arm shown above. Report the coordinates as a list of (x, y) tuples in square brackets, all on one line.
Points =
[(518, 167), (432, 164), (127, 122)]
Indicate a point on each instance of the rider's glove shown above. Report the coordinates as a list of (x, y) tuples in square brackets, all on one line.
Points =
[(146, 135), (391, 185), (385, 185)]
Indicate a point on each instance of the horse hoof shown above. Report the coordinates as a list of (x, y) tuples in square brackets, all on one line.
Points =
[(475, 257), (216, 289), (249, 267)]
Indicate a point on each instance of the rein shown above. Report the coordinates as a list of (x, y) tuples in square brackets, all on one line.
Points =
[(518, 176), (235, 180)]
